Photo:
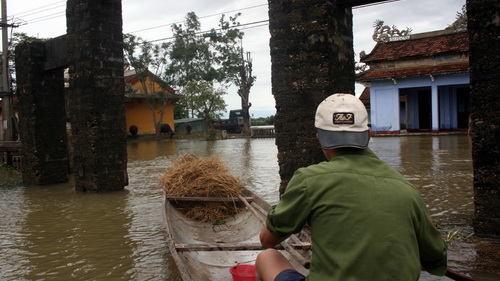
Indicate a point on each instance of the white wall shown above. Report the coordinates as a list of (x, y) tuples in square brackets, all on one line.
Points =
[(384, 99)]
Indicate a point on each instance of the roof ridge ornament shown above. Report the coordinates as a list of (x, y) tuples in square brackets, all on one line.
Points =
[(383, 33)]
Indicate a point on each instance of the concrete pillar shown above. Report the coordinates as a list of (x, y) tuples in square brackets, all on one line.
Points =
[(42, 117), (435, 109), (312, 57), (96, 94)]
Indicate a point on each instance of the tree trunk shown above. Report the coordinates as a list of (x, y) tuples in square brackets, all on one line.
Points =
[(245, 106), (246, 84), (483, 27), (156, 122), (312, 57)]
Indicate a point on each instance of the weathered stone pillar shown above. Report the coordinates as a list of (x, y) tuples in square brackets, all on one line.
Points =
[(484, 33), (42, 117), (312, 57), (96, 94)]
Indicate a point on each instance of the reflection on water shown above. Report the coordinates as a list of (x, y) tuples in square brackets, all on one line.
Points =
[(440, 167), (56, 233), (252, 160)]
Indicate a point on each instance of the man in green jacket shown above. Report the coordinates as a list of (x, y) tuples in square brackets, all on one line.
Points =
[(367, 221)]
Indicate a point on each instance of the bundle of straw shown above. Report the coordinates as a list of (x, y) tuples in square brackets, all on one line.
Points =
[(202, 177)]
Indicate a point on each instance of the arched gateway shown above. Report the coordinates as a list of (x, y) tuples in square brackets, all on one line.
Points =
[(93, 104)]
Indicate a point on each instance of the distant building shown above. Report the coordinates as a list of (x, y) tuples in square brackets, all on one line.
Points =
[(196, 125), (137, 107), (419, 83)]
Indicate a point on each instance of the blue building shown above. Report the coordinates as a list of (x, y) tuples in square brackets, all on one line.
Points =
[(419, 83)]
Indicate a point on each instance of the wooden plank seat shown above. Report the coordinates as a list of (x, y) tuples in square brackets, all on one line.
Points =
[(207, 199), (233, 247)]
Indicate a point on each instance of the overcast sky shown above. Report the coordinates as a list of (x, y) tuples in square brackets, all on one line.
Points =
[(152, 20)]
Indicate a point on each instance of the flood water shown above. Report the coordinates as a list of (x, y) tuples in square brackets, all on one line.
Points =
[(56, 233)]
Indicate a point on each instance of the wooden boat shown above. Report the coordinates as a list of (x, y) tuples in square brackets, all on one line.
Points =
[(204, 251)]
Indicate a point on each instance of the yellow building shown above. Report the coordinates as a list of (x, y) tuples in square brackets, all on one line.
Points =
[(138, 105)]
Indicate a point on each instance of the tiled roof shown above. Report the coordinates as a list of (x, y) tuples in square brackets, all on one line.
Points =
[(410, 72), (365, 96), (419, 47), (132, 78)]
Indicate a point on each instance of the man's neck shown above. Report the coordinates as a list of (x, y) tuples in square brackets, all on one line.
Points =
[(329, 153)]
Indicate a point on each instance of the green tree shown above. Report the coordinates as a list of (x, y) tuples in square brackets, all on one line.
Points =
[(190, 58), (263, 121), (207, 102), (141, 56), (236, 65), (181, 110), (196, 56), (17, 37)]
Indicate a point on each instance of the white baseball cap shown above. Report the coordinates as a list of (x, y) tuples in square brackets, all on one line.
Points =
[(342, 121)]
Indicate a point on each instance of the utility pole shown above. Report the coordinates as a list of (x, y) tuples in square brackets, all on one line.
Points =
[(5, 93)]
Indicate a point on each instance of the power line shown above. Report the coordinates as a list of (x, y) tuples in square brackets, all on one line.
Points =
[(255, 26), (374, 4), (60, 14), (41, 11), (203, 17), (47, 17), (218, 29), (251, 24), (41, 7), (45, 8)]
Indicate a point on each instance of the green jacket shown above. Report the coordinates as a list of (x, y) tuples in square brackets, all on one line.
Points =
[(368, 222)]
